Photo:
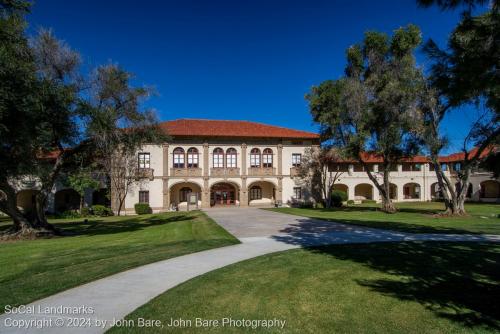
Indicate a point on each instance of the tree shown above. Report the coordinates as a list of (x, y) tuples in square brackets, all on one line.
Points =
[(316, 172), (119, 128), (374, 106), (465, 73), (81, 181)]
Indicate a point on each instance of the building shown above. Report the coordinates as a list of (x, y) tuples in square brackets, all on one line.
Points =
[(213, 162), (240, 163)]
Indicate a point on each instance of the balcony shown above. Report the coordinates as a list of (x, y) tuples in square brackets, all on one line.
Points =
[(224, 172), (261, 171), (185, 172), (145, 173)]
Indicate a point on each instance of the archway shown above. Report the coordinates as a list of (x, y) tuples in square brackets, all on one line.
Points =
[(184, 195), (101, 197), (363, 191), (66, 199), (436, 192), (411, 191), (393, 191), (25, 200), (224, 193), (261, 193), (341, 187), (490, 189)]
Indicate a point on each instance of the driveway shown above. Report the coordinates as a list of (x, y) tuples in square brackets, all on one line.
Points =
[(251, 224)]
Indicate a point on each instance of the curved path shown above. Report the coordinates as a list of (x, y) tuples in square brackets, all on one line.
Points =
[(261, 232)]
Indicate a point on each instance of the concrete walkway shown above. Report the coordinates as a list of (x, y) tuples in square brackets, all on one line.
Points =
[(261, 232)]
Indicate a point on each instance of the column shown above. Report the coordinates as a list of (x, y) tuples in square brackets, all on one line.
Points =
[(243, 159), (165, 160), (243, 192), (280, 159), (166, 194), (279, 191), (205, 159), (205, 197)]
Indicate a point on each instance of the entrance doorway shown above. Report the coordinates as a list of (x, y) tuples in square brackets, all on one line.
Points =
[(223, 194)]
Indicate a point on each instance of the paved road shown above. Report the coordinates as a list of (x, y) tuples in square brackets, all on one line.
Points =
[(261, 232)]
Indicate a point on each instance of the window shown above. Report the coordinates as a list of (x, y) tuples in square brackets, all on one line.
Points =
[(457, 166), (255, 158), (192, 158), (267, 158), (179, 158), (231, 158), (143, 196), (184, 194), (444, 167), (255, 193), (144, 159), (297, 192), (339, 168), (296, 159), (417, 168), (218, 158)]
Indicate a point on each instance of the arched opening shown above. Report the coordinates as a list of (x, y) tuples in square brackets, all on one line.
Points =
[(101, 197), (224, 193), (393, 191), (179, 161), (26, 199), (363, 191), (470, 191), (436, 192), (66, 199), (341, 187), (231, 158), (192, 157), (185, 195), (490, 189), (267, 158), (411, 191), (255, 158), (218, 158), (261, 193)]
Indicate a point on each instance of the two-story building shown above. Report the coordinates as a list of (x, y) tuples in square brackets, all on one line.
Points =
[(217, 162)]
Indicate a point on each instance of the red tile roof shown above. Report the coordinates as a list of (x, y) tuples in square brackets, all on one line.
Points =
[(218, 128)]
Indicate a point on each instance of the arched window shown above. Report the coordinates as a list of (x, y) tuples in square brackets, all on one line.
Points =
[(255, 158), (267, 158), (192, 158), (255, 193), (231, 158), (184, 194), (218, 158), (179, 158)]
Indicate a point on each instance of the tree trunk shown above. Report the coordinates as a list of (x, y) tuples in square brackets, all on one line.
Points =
[(387, 205), (454, 199), (81, 203)]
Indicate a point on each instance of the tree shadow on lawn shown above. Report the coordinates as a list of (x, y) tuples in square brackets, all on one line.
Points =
[(457, 281), (424, 211), (101, 227)]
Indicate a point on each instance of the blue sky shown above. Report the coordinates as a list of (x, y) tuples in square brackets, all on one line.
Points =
[(251, 60)]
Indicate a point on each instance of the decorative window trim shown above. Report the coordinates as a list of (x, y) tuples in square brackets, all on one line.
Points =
[(144, 160)]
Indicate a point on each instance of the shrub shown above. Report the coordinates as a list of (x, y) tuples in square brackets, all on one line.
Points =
[(338, 197), (68, 214), (366, 201), (142, 208), (85, 212), (101, 211), (350, 202), (306, 205)]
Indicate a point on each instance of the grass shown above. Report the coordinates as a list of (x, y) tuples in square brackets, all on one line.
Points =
[(409, 287), (411, 217), (100, 247)]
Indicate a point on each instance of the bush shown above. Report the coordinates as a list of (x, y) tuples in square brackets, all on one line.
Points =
[(142, 208), (306, 205), (366, 201), (350, 202), (102, 211), (338, 197), (68, 214), (85, 212)]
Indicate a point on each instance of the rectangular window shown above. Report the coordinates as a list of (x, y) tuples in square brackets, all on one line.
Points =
[(231, 161), (297, 192), (178, 160), (218, 160), (192, 160), (143, 196), (296, 159), (339, 168), (254, 160), (144, 160)]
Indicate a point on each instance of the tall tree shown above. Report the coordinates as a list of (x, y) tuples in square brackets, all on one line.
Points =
[(374, 106), (466, 73)]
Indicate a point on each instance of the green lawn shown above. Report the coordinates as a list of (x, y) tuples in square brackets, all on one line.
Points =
[(103, 246), (412, 217), (373, 288)]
